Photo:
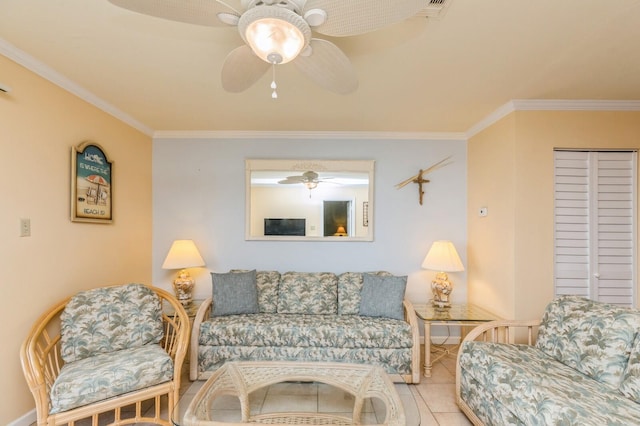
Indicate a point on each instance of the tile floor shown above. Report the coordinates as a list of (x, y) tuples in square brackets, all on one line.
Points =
[(434, 396)]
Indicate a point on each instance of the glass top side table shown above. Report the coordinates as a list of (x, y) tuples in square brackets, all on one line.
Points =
[(459, 314)]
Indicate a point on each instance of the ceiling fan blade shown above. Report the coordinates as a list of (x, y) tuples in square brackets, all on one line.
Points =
[(329, 67), (242, 69), (199, 12), (347, 18)]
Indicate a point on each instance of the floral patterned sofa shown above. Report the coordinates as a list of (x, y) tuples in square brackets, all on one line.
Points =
[(299, 316), (584, 368)]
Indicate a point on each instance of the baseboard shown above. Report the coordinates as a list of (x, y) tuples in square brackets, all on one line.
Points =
[(26, 420)]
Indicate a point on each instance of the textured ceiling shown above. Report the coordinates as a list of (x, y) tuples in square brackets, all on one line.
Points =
[(423, 75)]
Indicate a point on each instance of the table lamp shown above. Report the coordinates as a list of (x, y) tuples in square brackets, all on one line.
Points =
[(442, 257), (183, 254), (341, 232)]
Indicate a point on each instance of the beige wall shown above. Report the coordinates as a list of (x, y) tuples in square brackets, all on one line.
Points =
[(524, 212), (39, 123), (490, 183)]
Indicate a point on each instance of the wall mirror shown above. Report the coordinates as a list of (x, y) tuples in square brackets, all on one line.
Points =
[(309, 200)]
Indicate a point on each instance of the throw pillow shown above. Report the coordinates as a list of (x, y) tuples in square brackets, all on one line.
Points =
[(234, 293), (382, 296)]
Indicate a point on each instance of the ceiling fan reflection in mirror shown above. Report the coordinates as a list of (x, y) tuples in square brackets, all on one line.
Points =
[(310, 179), (276, 32)]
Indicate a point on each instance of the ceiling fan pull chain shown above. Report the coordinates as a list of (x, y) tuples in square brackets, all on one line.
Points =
[(274, 86)]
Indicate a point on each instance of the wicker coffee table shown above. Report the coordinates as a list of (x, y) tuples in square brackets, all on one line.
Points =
[(241, 379)]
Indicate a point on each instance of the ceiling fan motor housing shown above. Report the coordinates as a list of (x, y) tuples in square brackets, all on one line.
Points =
[(294, 5)]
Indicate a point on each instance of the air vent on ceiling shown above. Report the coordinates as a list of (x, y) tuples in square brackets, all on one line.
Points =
[(435, 9), (5, 89)]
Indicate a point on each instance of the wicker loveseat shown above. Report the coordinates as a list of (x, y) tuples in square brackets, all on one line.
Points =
[(584, 368), (301, 316), (104, 349)]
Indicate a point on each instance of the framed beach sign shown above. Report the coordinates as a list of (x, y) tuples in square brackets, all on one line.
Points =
[(91, 184)]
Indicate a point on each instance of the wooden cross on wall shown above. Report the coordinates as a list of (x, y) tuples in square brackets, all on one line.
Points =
[(419, 178)]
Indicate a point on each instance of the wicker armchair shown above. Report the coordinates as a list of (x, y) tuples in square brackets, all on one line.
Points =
[(500, 331), (51, 350)]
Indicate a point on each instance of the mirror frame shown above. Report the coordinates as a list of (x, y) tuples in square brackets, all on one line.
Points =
[(300, 166)]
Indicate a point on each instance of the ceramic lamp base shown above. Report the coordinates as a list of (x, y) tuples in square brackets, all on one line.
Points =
[(183, 287), (442, 288)]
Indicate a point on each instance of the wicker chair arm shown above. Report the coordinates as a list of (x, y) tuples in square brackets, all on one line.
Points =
[(177, 328), (412, 319), (40, 356), (203, 313), (503, 331)]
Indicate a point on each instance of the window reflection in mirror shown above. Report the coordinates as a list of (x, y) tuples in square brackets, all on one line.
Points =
[(316, 200)]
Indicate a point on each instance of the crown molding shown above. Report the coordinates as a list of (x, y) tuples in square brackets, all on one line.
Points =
[(551, 105), (496, 115), (575, 105), (292, 134), (48, 73)]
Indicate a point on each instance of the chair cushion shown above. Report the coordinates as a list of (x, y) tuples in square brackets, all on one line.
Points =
[(537, 389), (630, 385), (592, 337), (110, 319), (394, 361), (308, 293), (338, 331), (234, 293), (110, 374)]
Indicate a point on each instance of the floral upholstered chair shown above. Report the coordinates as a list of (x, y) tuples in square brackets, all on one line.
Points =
[(104, 349)]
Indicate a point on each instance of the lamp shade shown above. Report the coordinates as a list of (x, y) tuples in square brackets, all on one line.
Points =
[(183, 254), (442, 256)]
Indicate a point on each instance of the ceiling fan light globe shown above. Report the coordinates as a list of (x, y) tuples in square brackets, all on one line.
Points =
[(275, 35)]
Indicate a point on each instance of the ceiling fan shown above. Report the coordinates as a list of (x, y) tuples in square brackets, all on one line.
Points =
[(276, 32), (310, 179)]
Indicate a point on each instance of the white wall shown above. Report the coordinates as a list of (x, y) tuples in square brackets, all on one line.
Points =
[(198, 193), (296, 201)]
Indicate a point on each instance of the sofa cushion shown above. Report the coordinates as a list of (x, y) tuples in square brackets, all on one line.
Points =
[(539, 390), (339, 331), (395, 361), (349, 288), (234, 293), (630, 385), (267, 283), (109, 319), (105, 375), (592, 337), (308, 293), (383, 296)]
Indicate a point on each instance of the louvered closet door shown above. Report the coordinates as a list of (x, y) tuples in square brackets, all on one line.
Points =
[(595, 225)]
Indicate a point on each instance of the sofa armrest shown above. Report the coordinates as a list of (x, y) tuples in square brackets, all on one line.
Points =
[(203, 313), (412, 319)]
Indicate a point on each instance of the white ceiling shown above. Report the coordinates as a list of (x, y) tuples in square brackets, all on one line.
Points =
[(423, 75)]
